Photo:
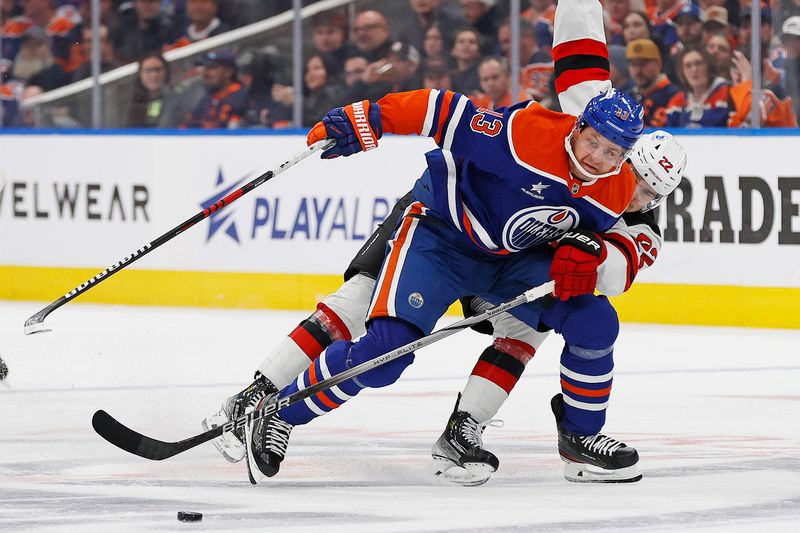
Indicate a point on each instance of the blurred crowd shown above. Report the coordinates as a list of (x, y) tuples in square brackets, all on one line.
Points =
[(688, 62)]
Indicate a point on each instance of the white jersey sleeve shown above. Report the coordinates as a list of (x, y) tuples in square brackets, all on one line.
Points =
[(632, 244), (580, 54)]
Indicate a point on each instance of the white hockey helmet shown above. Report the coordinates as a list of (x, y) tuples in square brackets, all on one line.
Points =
[(659, 160)]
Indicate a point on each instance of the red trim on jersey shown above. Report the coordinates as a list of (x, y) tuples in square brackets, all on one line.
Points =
[(585, 392), (337, 328), (495, 374), (468, 228), (570, 78), (629, 252), (306, 342), (585, 47)]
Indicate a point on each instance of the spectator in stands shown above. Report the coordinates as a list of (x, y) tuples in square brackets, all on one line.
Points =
[(466, 54), (770, 45), (536, 71), (226, 100), (427, 14), (329, 37), (617, 11), (321, 91), (108, 60), (35, 63), (636, 25), (152, 105), (790, 38), (436, 76), (652, 87), (688, 28), (775, 109), (141, 29), (354, 69), (495, 84), (618, 68), (202, 23), (434, 48), (542, 14), (371, 35), (703, 100), (719, 48), (715, 22), (61, 24), (399, 71), (483, 16), (663, 19), (262, 110)]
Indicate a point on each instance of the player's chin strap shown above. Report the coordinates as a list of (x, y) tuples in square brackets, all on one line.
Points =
[(568, 148)]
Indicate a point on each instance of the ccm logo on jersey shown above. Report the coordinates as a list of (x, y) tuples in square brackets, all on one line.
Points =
[(362, 125), (486, 126)]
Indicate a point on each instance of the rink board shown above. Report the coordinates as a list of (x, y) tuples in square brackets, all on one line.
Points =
[(732, 231)]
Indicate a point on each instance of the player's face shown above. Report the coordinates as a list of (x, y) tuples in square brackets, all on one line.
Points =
[(642, 195), (596, 154)]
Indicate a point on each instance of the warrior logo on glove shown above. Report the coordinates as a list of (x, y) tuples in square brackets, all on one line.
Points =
[(355, 127)]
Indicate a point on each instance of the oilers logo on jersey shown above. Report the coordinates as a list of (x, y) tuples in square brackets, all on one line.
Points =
[(538, 225)]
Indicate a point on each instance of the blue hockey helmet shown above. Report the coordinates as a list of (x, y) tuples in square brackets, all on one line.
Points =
[(616, 116)]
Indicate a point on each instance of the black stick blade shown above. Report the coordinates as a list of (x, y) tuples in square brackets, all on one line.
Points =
[(129, 440)]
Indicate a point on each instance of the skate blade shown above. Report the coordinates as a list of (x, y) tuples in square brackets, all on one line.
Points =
[(586, 473), (226, 444), (253, 473), (470, 475)]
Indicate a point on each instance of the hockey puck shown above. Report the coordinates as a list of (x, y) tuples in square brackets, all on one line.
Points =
[(187, 516), (3, 369)]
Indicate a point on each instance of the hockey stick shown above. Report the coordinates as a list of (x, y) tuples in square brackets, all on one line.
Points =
[(129, 440), (35, 324)]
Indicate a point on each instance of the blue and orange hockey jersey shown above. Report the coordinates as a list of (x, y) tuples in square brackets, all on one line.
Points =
[(502, 178)]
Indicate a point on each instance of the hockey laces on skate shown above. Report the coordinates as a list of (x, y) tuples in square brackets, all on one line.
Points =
[(276, 436), (601, 444), (472, 430)]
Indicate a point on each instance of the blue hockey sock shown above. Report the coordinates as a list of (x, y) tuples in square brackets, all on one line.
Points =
[(586, 377), (333, 361)]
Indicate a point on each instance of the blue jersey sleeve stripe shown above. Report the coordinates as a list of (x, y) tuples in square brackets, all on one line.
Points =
[(453, 121), (454, 102)]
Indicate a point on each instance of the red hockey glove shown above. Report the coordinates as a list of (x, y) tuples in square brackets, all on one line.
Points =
[(574, 269), (356, 127)]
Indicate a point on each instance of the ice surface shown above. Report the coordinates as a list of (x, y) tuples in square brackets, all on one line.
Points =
[(714, 413)]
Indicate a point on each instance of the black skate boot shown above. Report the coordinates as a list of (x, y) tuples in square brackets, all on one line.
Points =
[(594, 458), (231, 444), (458, 455), (267, 439)]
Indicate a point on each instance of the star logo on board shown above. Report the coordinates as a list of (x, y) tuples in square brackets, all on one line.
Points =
[(222, 220)]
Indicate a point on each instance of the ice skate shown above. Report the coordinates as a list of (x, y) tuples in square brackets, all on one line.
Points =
[(458, 455), (594, 458), (267, 439), (231, 444)]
